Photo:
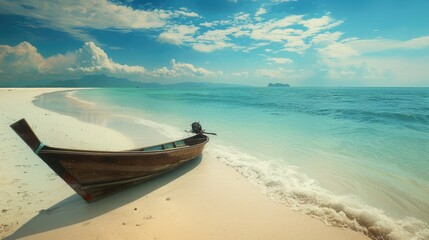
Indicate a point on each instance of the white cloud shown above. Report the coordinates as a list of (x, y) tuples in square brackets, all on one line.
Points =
[(187, 69), (214, 40), (275, 30), (353, 59), (24, 62), (72, 16), (378, 71), (260, 11), (241, 17), (290, 75), (92, 59), (280, 60), (185, 13), (279, 73), (23, 59), (285, 30), (178, 34), (316, 25), (292, 33), (337, 50), (209, 40), (223, 22), (179, 69), (207, 24), (244, 74), (210, 47), (326, 38), (416, 43), (295, 44), (381, 45)]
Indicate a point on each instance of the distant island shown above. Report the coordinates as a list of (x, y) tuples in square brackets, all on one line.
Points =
[(278, 85)]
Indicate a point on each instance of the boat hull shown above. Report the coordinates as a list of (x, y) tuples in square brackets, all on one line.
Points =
[(96, 174)]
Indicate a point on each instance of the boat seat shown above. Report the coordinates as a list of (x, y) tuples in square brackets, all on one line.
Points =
[(154, 148), (168, 146), (180, 143)]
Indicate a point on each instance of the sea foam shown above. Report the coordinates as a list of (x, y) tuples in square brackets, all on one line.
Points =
[(287, 185)]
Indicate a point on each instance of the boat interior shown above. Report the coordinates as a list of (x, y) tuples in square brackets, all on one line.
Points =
[(176, 144)]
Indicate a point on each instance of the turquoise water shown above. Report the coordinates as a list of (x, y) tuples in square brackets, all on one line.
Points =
[(355, 157)]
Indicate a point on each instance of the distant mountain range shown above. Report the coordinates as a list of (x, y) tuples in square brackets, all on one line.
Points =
[(103, 81)]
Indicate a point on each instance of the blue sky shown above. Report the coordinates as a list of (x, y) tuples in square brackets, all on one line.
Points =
[(254, 42)]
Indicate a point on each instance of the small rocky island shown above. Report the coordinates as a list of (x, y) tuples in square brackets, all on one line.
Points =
[(278, 85)]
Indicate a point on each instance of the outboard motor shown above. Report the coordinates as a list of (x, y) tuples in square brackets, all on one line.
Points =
[(196, 128)]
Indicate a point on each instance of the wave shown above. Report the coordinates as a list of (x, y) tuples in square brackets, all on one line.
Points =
[(375, 116), (285, 184), (382, 110)]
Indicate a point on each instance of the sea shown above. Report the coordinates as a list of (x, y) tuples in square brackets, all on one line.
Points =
[(352, 157)]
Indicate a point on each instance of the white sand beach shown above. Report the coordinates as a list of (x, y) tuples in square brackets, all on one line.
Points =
[(203, 200)]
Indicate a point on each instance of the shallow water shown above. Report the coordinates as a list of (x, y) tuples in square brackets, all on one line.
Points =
[(355, 157)]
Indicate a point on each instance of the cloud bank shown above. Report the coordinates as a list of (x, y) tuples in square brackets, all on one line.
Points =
[(263, 42), (292, 33), (24, 62), (353, 59), (74, 16)]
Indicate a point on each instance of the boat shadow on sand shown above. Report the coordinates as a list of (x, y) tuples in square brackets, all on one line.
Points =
[(74, 209)]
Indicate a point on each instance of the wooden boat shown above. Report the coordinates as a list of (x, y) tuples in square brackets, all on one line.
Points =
[(95, 174)]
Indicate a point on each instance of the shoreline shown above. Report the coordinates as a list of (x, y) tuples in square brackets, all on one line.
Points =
[(97, 114), (206, 199)]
